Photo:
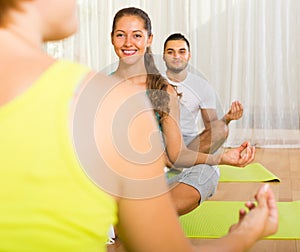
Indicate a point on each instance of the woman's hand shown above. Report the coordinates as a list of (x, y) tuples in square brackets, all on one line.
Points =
[(261, 220)]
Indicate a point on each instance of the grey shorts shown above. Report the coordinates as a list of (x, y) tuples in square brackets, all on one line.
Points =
[(202, 177)]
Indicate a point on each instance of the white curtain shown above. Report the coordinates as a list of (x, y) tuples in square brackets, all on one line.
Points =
[(249, 50)]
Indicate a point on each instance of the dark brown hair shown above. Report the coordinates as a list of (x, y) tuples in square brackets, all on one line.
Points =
[(177, 36)]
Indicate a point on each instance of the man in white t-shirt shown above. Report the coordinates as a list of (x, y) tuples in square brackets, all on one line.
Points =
[(198, 101)]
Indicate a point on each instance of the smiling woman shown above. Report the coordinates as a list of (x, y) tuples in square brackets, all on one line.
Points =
[(130, 41), (132, 37)]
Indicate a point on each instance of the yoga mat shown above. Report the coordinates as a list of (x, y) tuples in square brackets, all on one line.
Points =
[(254, 172), (212, 219)]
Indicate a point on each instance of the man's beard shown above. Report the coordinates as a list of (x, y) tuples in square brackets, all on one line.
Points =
[(176, 69)]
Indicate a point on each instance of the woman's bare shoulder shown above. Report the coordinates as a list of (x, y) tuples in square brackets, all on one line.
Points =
[(171, 90)]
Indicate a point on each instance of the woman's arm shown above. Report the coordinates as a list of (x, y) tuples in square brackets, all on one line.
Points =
[(145, 208), (181, 156), (177, 151)]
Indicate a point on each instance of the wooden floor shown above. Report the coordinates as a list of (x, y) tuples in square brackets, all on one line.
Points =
[(285, 164)]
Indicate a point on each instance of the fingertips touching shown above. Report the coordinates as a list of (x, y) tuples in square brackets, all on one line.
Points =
[(250, 205)]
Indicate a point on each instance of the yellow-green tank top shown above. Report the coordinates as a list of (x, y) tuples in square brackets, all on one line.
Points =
[(47, 201)]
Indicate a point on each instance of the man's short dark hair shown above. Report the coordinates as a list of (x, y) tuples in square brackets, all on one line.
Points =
[(177, 36)]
